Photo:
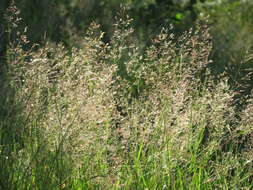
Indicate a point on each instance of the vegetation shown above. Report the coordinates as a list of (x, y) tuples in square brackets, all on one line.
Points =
[(113, 113)]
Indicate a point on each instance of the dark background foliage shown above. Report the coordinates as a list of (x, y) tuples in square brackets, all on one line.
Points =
[(57, 20)]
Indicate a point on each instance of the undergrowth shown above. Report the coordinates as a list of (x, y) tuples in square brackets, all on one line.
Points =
[(114, 116)]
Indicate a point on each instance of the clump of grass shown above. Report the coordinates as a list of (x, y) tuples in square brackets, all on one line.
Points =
[(112, 116)]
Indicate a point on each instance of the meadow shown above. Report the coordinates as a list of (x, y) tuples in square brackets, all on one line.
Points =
[(113, 115)]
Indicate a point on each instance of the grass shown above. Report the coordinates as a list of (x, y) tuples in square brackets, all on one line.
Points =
[(112, 116)]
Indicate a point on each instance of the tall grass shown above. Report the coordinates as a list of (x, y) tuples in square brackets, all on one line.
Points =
[(112, 116)]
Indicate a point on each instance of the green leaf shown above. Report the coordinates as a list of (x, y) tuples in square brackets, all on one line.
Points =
[(179, 16)]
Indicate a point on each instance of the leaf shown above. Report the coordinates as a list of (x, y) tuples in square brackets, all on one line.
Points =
[(179, 16)]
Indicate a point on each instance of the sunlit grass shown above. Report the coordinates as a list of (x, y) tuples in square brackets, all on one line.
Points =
[(112, 116)]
